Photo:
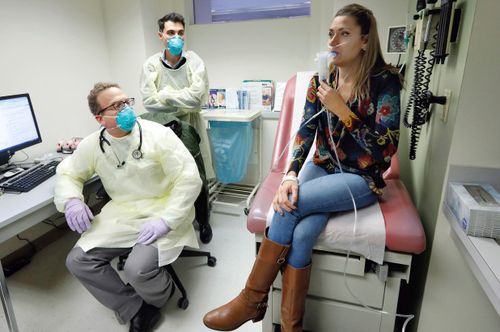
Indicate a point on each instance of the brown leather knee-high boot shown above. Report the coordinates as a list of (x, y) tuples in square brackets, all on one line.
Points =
[(251, 304), (293, 296)]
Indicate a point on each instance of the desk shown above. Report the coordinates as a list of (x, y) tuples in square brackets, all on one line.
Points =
[(18, 212)]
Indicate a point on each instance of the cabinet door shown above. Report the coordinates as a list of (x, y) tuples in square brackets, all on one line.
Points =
[(330, 316), (328, 283)]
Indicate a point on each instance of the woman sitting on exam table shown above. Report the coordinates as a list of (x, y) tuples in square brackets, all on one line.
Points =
[(361, 123)]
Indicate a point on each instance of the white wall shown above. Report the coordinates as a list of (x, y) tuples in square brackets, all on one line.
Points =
[(451, 288), (151, 11), (252, 50), (274, 49), (476, 132), (126, 44), (54, 50)]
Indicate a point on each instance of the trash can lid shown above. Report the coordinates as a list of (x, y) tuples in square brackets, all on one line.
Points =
[(233, 115)]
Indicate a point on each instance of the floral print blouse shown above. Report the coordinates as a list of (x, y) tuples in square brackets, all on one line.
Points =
[(365, 142)]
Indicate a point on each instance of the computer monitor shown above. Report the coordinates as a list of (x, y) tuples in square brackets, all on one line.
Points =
[(18, 126)]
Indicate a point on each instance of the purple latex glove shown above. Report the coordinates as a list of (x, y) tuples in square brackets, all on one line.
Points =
[(78, 215), (151, 230)]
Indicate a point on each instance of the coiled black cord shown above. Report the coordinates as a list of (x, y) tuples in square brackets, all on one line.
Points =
[(427, 79), (415, 103), (417, 100)]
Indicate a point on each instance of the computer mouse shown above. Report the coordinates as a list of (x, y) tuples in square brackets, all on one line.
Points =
[(13, 172)]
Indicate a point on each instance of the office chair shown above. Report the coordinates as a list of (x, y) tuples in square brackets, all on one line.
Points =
[(183, 302)]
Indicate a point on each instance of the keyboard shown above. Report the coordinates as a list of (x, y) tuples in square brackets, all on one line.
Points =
[(31, 177)]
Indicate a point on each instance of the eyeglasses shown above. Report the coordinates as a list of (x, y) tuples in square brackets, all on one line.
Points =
[(119, 105)]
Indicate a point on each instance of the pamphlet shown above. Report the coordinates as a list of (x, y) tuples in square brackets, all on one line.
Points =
[(212, 99), (231, 98), (278, 97), (261, 94), (221, 98)]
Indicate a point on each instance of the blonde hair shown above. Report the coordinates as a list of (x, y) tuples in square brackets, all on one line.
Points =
[(372, 60)]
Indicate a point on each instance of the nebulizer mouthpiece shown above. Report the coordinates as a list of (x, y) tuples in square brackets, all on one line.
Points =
[(322, 59)]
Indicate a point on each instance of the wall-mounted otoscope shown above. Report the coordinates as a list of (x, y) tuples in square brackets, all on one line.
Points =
[(437, 27)]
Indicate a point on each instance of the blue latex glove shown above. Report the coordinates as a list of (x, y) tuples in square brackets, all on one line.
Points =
[(152, 230), (78, 215)]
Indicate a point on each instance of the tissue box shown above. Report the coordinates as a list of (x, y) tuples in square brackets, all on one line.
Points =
[(476, 207)]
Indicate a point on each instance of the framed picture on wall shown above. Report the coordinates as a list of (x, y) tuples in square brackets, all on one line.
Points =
[(396, 40)]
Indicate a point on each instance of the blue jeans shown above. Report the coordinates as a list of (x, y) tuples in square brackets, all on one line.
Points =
[(320, 194)]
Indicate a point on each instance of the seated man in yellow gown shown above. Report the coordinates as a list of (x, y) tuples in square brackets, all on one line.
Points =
[(153, 182)]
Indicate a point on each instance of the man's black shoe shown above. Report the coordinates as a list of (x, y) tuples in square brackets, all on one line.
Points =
[(145, 319), (205, 233)]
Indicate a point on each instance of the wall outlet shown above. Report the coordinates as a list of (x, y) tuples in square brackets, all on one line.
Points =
[(445, 108)]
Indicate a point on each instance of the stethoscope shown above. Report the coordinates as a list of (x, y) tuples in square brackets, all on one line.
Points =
[(136, 154)]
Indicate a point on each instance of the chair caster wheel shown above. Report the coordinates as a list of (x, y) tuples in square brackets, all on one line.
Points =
[(183, 303), (206, 233), (212, 261)]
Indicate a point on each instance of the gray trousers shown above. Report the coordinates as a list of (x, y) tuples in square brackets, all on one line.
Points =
[(146, 281)]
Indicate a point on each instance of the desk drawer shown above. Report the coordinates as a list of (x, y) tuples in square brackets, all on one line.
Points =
[(330, 316)]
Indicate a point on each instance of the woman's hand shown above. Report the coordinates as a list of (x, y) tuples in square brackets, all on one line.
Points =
[(281, 200), (332, 100)]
